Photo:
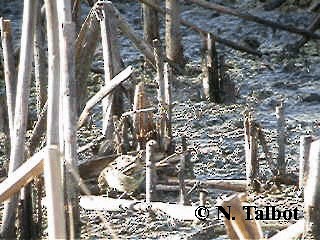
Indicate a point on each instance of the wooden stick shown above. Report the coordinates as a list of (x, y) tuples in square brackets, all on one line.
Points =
[(222, 184), (86, 191), (40, 73), (168, 78), (53, 74), (21, 112), (239, 227), (175, 211), (53, 161), (313, 27), (133, 112), (86, 43), (249, 17), (304, 164), (292, 232), (211, 81), (203, 196), (273, 4), (23, 175), (265, 147), (116, 133), (54, 193), (10, 73), (103, 92), (169, 188), (67, 33), (125, 135), (281, 163), (174, 50), (151, 177), (40, 81), (252, 166), (112, 105), (203, 32), (140, 44), (4, 124), (161, 94), (182, 192), (150, 23), (38, 130), (312, 194)]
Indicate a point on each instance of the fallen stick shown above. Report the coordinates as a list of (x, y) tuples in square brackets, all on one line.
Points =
[(273, 4), (203, 32), (103, 92), (228, 184), (133, 112), (100, 203), (23, 175), (313, 26), (252, 18), (292, 232), (169, 188), (129, 32), (92, 144)]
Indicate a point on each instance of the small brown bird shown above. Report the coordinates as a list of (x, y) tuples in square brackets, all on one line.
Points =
[(125, 174)]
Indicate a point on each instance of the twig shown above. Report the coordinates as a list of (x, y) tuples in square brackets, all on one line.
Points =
[(203, 32), (103, 92), (249, 17)]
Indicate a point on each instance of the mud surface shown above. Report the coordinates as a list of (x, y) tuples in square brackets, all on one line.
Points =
[(216, 131)]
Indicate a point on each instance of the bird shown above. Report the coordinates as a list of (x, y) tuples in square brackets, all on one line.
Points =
[(125, 174)]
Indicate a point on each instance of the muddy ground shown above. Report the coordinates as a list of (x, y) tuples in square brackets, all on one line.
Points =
[(216, 130)]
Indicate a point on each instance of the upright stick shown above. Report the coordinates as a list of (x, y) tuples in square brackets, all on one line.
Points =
[(21, 111), (10, 73), (193, 27), (53, 164), (304, 164), (150, 171), (111, 55), (251, 153), (312, 194), (281, 164), (69, 116), (40, 63), (54, 193), (150, 23), (182, 186), (174, 50), (86, 43), (168, 77), (161, 91), (211, 81)]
